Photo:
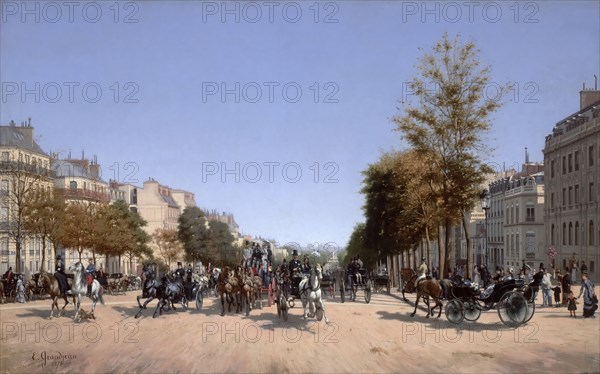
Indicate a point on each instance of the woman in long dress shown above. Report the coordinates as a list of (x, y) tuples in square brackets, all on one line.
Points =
[(477, 276)]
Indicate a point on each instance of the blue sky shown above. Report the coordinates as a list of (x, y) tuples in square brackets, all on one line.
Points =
[(318, 84)]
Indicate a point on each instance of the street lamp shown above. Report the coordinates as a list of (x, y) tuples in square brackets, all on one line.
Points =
[(485, 205)]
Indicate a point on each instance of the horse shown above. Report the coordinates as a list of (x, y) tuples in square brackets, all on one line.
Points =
[(173, 292), (228, 285), (80, 288), (152, 288), (49, 283), (428, 288), (247, 288), (310, 294)]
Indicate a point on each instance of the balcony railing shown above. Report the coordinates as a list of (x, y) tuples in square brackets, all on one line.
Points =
[(18, 166), (81, 194)]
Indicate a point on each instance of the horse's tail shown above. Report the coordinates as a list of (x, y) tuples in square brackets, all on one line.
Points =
[(100, 293)]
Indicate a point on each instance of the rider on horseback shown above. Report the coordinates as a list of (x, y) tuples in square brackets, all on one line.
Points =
[(90, 273), (60, 275), (422, 271)]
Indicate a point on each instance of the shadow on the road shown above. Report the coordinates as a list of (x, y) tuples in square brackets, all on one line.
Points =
[(45, 313)]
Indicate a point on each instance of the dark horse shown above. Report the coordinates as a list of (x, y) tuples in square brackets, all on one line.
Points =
[(151, 290), (49, 283), (172, 292)]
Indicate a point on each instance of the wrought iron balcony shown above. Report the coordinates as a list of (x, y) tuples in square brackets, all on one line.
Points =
[(17, 166), (81, 194)]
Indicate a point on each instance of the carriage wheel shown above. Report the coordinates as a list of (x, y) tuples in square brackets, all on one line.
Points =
[(530, 311), (199, 299), (472, 311), (454, 311), (512, 308), (342, 293), (368, 291)]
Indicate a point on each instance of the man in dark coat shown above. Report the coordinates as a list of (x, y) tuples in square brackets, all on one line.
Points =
[(60, 275), (295, 268), (566, 285)]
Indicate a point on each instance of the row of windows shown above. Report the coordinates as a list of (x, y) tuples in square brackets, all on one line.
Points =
[(26, 158), (513, 214), (571, 162), (572, 195), (572, 234)]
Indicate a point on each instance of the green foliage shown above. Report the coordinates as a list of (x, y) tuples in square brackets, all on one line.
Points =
[(194, 234)]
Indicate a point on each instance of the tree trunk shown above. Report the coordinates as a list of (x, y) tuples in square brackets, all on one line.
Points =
[(442, 261), (18, 254), (41, 269), (447, 229), (469, 249)]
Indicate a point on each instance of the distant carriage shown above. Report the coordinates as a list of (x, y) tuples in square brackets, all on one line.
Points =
[(352, 283)]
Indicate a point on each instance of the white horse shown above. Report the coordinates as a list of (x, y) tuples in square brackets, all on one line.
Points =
[(310, 293), (80, 288)]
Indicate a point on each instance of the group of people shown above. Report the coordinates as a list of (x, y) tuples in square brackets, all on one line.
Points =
[(9, 278)]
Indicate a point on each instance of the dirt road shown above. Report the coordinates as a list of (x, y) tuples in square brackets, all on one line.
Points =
[(376, 337)]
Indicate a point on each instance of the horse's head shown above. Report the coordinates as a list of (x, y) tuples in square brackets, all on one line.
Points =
[(409, 286), (76, 267), (41, 279), (318, 270)]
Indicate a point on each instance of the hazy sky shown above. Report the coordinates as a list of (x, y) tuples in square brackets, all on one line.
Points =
[(271, 110)]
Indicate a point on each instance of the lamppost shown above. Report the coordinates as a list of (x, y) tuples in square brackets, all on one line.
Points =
[(485, 205)]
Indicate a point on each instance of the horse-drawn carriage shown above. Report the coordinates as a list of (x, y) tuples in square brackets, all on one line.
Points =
[(308, 288), (381, 281), (512, 298), (353, 282), (8, 290), (33, 289)]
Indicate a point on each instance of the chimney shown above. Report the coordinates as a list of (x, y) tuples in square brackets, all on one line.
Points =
[(526, 156), (589, 96), (94, 170), (26, 130)]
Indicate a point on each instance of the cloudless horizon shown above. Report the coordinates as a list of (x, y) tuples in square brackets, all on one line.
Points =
[(298, 95)]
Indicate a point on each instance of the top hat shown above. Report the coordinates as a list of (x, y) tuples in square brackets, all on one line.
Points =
[(59, 257), (178, 263), (423, 259), (295, 252)]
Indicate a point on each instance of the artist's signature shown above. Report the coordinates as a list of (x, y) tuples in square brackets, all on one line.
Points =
[(52, 358)]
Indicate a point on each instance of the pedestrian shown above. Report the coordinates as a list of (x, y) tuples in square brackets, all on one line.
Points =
[(590, 300), (20, 290), (572, 305), (566, 285), (546, 290), (477, 276), (556, 296)]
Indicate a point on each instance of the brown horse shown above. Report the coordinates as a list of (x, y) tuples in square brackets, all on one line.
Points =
[(50, 284), (228, 285), (428, 288)]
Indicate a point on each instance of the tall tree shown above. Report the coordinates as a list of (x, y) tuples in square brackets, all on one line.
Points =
[(79, 227), (44, 216), (194, 233), (119, 232), (221, 243), (23, 180), (448, 127), (168, 244)]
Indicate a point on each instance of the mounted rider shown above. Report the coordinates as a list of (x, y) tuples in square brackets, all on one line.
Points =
[(422, 271), (306, 266), (90, 273), (60, 275)]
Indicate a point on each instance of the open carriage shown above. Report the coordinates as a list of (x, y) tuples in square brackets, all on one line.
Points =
[(351, 284), (511, 298)]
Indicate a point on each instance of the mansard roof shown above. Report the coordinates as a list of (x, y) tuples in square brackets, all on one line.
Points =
[(10, 136)]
